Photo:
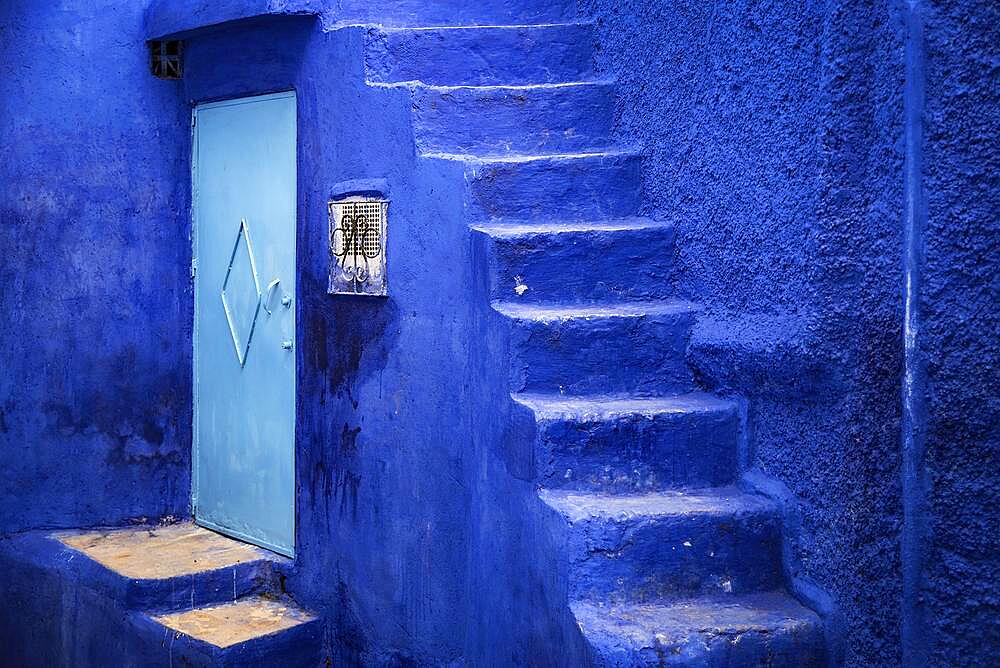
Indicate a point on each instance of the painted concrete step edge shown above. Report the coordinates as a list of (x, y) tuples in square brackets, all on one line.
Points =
[(766, 629), (633, 347), (421, 13), (482, 55), (633, 444), (249, 631), (648, 546), (165, 567), (605, 260), (571, 186), (499, 120)]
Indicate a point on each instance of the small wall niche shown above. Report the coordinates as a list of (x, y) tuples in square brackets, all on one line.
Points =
[(358, 222), (165, 58)]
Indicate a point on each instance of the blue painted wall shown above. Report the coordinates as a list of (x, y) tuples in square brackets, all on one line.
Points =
[(94, 390), (773, 134), (772, 130), (958, 349), (413, 539)]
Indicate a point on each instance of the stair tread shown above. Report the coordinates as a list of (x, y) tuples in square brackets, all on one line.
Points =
[(505, 26), (523, 158), (553, 312), (494, 88), (162, 552), (236, 622), (557, 406), (670, 622), (578, 505), (512, 229), (406, 14)]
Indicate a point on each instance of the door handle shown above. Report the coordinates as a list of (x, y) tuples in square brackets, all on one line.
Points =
[(271, 287)]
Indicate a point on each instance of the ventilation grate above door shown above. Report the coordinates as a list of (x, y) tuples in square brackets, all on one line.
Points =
[(165, 58)]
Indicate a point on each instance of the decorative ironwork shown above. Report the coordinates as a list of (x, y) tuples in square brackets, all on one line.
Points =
[(357, 246)]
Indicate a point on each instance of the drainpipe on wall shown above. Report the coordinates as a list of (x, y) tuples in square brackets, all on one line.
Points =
[(914, 471)]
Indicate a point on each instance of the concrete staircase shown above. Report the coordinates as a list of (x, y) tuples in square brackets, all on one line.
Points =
[(176, 594), (669, 561)]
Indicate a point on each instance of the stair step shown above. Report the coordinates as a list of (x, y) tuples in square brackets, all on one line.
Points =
[(634, 347), (626, 259), (767, 629), (251, 631), (646, 546), (484, 13), (482, 55), (633, 444), (175, 594), (573, 186), (171, 566), (497, 120)]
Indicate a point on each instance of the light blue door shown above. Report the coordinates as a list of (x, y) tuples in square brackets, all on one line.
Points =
[(243, 202)]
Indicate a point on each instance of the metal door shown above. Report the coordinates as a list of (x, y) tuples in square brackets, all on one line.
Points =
[(243, 201)]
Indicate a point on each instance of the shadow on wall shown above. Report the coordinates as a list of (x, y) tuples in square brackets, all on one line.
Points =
[(95, 389), (772, 139)]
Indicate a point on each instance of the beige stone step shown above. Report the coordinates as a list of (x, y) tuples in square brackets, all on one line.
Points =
[(162, 552), (233, 623)]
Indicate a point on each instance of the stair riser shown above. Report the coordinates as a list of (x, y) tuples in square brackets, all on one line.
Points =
[(158, 594), (801, 648), (642, 559), (482, 56), (495, 121), (197, 590), (635, 453), (566, 188), (297, 647), (643, 355), (606, 265), (418, 13)]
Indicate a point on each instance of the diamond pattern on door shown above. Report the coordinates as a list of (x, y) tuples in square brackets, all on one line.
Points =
[(241, 294)]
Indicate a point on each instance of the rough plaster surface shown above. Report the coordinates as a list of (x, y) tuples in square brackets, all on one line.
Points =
[(771, 135), (413, 539), (961, 318), (707, 627), (770, 132), (233, 623), (162, 552), (95, 399)]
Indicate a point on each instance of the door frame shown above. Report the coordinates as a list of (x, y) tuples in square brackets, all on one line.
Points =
[(215, 103)]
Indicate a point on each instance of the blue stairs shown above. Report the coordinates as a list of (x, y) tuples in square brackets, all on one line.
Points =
[(669, 561)]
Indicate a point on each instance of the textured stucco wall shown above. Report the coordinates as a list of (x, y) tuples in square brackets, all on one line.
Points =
[(958, 342), (406, 524), (772, 134), (94, 333), (412, 539)]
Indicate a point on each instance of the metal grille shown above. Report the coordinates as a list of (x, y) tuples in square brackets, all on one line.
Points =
[(357, 246), (165, 58)]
